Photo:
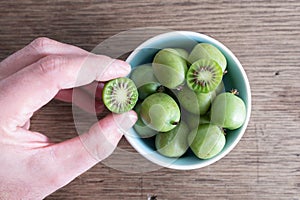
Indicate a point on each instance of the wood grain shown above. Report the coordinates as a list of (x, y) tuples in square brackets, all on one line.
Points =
[(263, 34)]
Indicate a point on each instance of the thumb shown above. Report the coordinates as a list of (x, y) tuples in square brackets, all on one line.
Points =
[(103, 137), (75, 156)]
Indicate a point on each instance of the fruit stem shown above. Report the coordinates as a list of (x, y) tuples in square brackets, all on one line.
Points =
[(174, 123), (160, 89), (179, 88), (224, 131), (235, 91)]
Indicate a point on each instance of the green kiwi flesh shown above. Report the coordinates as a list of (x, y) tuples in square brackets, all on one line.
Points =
[(204, 76), (120, 95)]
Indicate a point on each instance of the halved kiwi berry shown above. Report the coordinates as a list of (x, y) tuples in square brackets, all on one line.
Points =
[(120, 95), (204, 76)]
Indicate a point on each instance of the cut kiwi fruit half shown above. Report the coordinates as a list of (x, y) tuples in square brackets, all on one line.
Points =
[(120, 95), (204, 75)]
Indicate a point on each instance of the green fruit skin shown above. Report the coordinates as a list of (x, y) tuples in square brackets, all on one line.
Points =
[(142, 75), (148, 89), (143, 130), (145, 80), (207, 51), (160, 112), (182, 53), (220, 89), (169, 68), (228, 111), (173, 143), (194, 121), (196, 103), (206, 141)]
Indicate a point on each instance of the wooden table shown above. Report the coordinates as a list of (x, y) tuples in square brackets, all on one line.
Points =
[(263, 34)]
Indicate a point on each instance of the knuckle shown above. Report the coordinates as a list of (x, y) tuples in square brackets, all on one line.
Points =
[(51, 64), (41, 44)]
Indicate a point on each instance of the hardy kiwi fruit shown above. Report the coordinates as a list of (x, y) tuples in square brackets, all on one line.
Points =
[(160, 112), (228, 111), (145, 80), (182, 53), (204, 76), (206, 140), (207, 51), (120, 95), (196, 103), (141, 128), (169, 68), (193, 121), (173, 143)]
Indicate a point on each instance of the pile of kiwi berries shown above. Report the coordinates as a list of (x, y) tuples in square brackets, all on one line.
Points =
[(181, 100)]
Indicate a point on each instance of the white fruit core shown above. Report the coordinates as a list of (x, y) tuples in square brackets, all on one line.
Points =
[(121, 95)]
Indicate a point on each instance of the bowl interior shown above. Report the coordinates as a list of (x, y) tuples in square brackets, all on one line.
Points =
[(234, 79)]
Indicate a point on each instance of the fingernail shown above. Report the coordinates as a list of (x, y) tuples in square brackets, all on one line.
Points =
[(123, 67), (125, 121), (117, 68), (133, 117)]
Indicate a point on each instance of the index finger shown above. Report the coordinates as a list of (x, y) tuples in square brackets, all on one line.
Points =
[(34, 51), (34, 86)]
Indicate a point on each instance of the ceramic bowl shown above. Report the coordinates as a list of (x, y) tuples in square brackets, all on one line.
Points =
[(235, 78)]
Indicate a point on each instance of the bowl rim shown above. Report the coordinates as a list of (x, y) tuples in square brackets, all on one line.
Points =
[(139, 149)]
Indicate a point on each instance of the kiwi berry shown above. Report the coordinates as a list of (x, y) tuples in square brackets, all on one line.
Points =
[(141, 128), (173, 143), (207, 51), (120, 95), (204, 76), (160, 112), (193, 121), (182, 53), (228, 111), (196, 103), (220, 89), (206, 141), (145, 81), (169, 68)]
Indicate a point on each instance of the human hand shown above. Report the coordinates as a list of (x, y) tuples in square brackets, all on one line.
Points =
[(31, 166)]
